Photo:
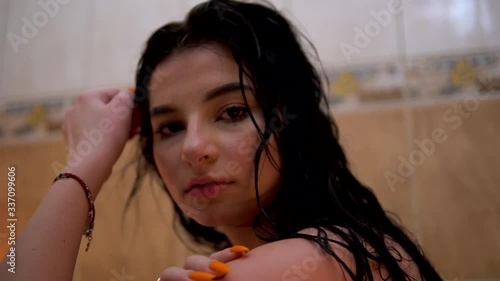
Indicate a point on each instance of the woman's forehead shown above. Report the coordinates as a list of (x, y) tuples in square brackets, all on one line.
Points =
[(205, 57), (194, 70)]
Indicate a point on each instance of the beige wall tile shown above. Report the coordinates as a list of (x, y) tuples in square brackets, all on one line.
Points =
[(458, 191), (373, 142)]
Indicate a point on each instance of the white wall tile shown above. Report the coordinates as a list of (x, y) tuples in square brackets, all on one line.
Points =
[(450, 26), (4, 8), (120, 31), (489, 22), (89, 44), (333, 27), (52, 57), (186, 5)]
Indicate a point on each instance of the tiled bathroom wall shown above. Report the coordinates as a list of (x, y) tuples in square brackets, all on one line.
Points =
[(439, 175), (415, 88)]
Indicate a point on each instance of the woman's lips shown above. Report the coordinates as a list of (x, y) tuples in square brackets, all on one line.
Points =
[(209, 190)]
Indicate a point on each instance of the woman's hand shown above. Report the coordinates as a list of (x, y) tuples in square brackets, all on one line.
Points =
[(95, 130), (201, 268)]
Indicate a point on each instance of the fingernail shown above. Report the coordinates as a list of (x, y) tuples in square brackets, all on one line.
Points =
[(239, 249), (219, 267), (201, 276), (131, 89)]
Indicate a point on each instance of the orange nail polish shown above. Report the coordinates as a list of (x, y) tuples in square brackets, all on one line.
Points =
[(239, 249), (219, 267), (131, 89), (201, 276)]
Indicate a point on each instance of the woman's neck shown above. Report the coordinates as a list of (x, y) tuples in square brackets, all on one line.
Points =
[(242, 235)]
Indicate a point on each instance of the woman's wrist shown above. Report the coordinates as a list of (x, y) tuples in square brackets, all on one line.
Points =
[(93, 175), (88, 195)]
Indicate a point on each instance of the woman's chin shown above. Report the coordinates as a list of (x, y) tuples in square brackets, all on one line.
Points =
[(219, 221), (211, 221)]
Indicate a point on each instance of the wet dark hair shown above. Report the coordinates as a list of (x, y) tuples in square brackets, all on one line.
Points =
[(318, 189)]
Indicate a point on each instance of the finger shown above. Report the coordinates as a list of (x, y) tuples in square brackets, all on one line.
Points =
[(229, 254), (123, 96), (205, 264), (174, 274), (131, 89), (106, 95), (181, 274)]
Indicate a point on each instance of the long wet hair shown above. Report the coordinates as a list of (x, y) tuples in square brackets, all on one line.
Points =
[(318, 189)]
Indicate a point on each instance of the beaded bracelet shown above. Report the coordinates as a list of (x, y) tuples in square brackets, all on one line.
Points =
[(88, 230)]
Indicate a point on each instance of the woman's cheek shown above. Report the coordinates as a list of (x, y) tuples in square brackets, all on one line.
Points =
[(246, 149), (234, 168), (166, 166)]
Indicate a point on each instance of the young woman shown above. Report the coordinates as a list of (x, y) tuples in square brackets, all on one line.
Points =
[(233, 118)]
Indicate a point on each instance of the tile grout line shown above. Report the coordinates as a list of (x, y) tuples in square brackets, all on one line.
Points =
[(92, 9), (408, 117), (408, 102)]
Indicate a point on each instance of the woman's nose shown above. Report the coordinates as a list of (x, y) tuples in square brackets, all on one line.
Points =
[(199, 147)]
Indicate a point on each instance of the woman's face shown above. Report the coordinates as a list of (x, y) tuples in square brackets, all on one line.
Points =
[(204, 140)]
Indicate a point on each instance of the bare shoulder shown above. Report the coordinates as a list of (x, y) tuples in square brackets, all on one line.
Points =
[(300, 259), (379, 273), (294, 259)]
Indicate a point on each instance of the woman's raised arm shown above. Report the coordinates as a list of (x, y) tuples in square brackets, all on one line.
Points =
[(95, 129)]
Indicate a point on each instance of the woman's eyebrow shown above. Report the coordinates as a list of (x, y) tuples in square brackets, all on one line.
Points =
[(210, 95), (225, 89)]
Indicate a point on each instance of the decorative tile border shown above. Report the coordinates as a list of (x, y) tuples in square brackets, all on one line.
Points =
[(453, 75), (421, 79), (371, 86), (32, 119), (358, 84)]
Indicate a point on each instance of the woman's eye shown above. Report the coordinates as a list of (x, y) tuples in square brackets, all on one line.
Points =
[(235, 113), (168, 129)]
